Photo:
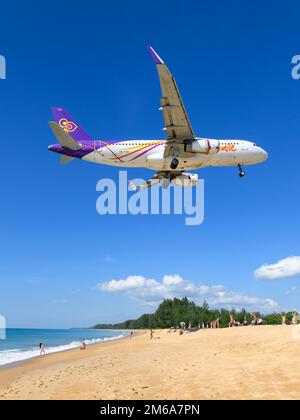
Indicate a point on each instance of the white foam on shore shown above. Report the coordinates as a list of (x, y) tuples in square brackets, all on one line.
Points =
[(17, 355)]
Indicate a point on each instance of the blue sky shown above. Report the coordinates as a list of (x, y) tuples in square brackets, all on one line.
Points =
[(232, 62)]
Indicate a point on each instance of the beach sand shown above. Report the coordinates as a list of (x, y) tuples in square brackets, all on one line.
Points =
[(238, 363)]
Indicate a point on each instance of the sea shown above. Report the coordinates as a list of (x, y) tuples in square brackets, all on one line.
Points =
[(22, 344)]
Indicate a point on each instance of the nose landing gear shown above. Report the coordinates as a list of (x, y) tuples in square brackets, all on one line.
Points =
[(242, 172)]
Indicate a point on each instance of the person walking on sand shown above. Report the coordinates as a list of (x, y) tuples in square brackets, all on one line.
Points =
[(131, 335), (151, 334), (42, 349), (283, 319)]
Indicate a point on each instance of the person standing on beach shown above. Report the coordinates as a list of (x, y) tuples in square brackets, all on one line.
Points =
[(295, 318), (151, 334), (254, 321), (232, 321), (42, 349), (131, 334)]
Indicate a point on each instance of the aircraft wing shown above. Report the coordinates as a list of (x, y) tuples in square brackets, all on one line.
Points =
[(177, 124)]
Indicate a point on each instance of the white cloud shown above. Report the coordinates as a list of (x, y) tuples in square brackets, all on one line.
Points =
[(150, 292), (172, 280), (132, 282), (288, 267), (271, 304)]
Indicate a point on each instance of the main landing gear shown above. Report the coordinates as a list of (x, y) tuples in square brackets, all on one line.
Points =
[(242, 172), (165, 184), (174, 163)]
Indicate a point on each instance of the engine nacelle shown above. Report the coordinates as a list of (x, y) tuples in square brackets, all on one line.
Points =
[(186, 180), (205, 146)]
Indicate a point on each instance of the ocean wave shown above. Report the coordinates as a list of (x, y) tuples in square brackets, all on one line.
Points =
[(18, 355)]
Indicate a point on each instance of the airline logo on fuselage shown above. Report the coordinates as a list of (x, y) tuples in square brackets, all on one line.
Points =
[(68, 126), (228, 148)]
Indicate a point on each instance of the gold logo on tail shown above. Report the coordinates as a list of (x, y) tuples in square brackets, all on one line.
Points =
[(68, 126)]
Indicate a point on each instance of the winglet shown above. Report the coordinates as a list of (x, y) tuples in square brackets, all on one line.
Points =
[(156, 58)]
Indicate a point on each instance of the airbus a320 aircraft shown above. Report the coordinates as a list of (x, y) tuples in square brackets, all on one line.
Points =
[(170, 158)]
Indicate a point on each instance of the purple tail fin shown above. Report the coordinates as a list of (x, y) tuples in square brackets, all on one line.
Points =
[(67, 123)]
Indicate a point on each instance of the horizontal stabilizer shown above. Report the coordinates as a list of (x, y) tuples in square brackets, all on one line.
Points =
[(63, 138), (64, 159)]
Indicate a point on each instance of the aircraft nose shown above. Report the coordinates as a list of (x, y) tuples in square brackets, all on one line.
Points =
[(264, 154)]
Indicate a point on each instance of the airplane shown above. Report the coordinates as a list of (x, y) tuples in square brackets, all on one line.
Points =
[(170, 157)]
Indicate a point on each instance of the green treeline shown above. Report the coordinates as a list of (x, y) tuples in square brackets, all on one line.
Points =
[(171, 312)]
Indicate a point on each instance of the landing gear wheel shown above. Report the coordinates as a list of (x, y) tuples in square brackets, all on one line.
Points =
[(242, 172), (165, 184), (174, 163)]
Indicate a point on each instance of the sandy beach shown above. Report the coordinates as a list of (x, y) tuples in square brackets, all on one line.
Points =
[(237, 363)]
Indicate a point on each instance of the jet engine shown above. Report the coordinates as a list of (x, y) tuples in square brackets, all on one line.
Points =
[(185, 180), (205, 146)]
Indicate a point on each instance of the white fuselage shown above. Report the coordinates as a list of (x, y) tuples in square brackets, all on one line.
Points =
[(151, 154)]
